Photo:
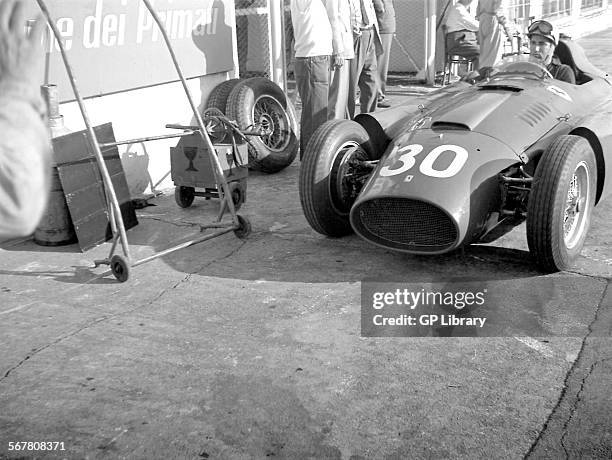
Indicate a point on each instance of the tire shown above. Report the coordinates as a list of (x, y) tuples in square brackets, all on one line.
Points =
[(238, 194), (561, 203), (120, 268), (325, 195), (245, 227), (259, 100), (217, 99), (184, 196)]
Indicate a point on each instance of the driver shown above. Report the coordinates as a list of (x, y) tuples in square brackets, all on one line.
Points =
[(542, 43)]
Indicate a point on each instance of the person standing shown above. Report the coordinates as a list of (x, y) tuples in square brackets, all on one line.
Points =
[(25, 146), (344, 53), (492, 31), (461, 30), (364, 67), (313, 50), (385, 13)]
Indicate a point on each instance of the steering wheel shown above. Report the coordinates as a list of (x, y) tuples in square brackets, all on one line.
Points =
[(526, 69)]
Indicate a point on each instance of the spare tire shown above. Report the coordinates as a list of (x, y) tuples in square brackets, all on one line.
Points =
[(218, 97), (259, 101)]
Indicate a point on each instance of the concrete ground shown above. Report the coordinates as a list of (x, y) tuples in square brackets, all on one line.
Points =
[(252, 348)]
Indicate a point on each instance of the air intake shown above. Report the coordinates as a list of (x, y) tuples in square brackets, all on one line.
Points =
[(404, 224), (445, 125), (534, 113)]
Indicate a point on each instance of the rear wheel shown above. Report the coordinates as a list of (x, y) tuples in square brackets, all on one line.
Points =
[(218, 97), (332, 175), (561, 203), (260, 102)]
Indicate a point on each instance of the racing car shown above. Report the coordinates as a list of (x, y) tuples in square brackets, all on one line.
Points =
[(469, 162)]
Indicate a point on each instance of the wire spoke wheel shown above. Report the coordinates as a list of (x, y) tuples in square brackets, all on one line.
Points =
[(574, 215), (344, 175), (561, 202), (274, 121), (261, 103)]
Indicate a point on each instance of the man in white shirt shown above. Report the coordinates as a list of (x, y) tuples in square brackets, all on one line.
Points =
[(25, 148), (316, 44), (461, 32)]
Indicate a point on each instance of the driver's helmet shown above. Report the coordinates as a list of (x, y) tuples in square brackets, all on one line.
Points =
[(543, 29)]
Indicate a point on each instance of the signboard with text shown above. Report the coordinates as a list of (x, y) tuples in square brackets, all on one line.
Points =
[(115, 45)]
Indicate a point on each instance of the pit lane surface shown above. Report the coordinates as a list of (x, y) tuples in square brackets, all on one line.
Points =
[(242, 349)]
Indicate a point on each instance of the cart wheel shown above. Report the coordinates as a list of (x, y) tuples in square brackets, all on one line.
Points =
[(184, 196), (245, 227), (237, 192), (120, 268)]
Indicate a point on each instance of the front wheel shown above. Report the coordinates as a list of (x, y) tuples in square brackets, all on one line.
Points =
[(561, 203), (332, 175), (184, 196)]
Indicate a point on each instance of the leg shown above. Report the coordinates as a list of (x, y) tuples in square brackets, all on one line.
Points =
[(383, 61), (312, 76), (339, 91), (355, 72), (368, 79)]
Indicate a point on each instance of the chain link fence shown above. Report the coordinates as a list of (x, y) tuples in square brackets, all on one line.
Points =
[(253, 37), (408, 48)]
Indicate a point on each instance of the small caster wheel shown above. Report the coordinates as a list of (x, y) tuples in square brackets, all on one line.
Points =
[(120, 268), (245, 227), (184, 196), (237, 194)]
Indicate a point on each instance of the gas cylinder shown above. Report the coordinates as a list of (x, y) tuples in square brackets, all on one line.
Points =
[(55, 227)]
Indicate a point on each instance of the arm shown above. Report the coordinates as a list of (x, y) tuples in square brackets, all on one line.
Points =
[(25, 152), (333, 13), (25, 158), (466, 21)]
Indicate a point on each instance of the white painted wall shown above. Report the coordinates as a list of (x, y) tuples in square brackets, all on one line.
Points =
[(143, 113)]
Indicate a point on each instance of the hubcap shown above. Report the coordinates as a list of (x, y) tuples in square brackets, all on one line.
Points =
[(275, 124), (576, 213), (346, 177)]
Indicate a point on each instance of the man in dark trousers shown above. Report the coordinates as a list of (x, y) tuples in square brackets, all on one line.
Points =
[(364, 67)]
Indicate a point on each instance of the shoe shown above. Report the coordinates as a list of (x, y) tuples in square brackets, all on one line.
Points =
[(383, 102)]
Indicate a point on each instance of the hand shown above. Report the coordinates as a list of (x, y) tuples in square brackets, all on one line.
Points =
[(21, 54), (337, 61)]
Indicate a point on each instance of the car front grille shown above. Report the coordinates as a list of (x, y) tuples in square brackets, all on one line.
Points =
[(404, 224)]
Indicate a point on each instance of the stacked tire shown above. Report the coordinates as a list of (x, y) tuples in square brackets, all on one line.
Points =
[(260, 102)]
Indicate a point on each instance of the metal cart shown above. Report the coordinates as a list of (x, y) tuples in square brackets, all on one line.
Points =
[(120, 265)]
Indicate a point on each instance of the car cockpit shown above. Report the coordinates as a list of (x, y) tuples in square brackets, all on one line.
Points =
[(572, 54)]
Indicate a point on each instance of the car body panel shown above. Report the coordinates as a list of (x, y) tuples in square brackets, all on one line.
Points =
[(467, 196), (504, 122)]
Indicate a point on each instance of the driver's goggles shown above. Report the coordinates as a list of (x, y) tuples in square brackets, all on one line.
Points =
[(540, 27)]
